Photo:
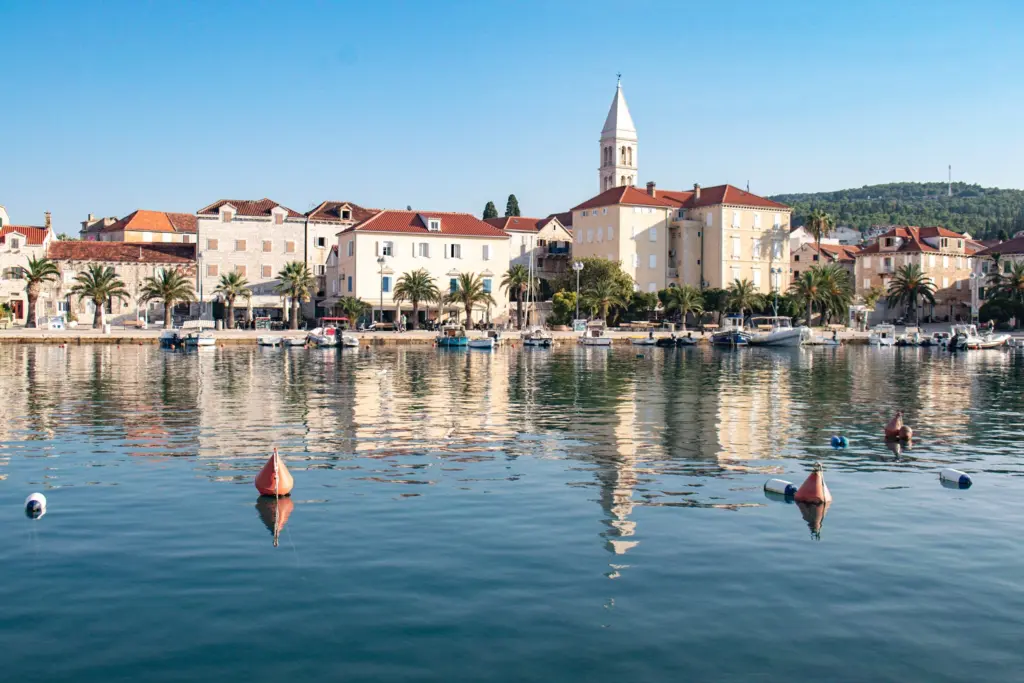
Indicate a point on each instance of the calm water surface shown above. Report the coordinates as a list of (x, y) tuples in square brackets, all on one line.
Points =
[(522, 515)]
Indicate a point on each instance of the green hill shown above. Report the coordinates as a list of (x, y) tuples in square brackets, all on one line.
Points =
[(981, 211)]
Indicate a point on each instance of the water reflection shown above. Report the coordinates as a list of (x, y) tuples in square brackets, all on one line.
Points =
[(274, 513)]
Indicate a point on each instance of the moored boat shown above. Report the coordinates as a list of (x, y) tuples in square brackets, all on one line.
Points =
[(349, 342), (325, 337), (200, 339), (537, 336), (595, 334), (268, 340), (486, 344), (967, 337), (882, 335), (733, 333), (170, 338), (777, 331), (452, 337)]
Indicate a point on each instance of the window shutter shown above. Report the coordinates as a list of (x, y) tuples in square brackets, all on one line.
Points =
[(446, 251), (377, 247), (414, 254)]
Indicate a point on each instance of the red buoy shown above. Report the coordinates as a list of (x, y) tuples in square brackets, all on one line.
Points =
[(893, 427), (274, 479), (813, 490)]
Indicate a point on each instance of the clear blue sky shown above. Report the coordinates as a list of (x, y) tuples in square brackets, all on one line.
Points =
[(114, 106)]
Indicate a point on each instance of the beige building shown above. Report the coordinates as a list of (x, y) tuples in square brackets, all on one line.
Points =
[(544, 240), (374, 253), (807, 256), (19, 243), (987, 261), (254, 238), (322, 226), (943, 255), (148, 226)]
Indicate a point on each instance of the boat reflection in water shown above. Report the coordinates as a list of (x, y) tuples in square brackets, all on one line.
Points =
[(274, 513)]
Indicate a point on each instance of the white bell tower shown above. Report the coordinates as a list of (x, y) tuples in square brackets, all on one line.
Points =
[(618, 145)]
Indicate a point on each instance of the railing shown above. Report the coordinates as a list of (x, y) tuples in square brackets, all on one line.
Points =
[(558, 251), (673, 273)]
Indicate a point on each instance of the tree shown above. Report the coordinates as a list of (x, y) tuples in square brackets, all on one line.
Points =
[(686, 299), (39, 271), (417, 286), (908, 284), (469, 292), (512, 207), (603, 297), (716, 300), (517, 280), (835, 290), (296, 283), (231, 286), (563, 308), (1003, 235), (743, 296), (643, 304), (807, 287), (353, 308), (490, 211), (100, 284), (872, 296), (170, 287), (820, 224)]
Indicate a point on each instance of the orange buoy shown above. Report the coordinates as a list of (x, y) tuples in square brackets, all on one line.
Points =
[(274, 513), (274, 479), (813, 490), (906, 433), (892, 429)]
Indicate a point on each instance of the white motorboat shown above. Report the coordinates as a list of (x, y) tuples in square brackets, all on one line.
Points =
[(295, 341), (882, 335), (200, 339), (645, 341), (486, 344), (323, 337), (349, 342), (777, 331), (268, 340), (537, 336), (595, 335), (968, 337)]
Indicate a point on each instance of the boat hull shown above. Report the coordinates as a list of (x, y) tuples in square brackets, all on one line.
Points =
[(730, 339), (482, 344), (790, 337), (596, 341), (450, 343), (539, 343)]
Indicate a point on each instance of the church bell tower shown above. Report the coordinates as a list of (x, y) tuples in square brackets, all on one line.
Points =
[(618, 145)]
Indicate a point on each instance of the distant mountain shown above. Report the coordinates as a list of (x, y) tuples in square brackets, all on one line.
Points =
[(982, 211)]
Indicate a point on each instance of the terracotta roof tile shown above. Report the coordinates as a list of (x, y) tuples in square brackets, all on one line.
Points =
[(122, 252), (709, 196), (247, 207), (913, 240), (517, 223), (142, 220), (34, 235), (565, 218), (390, 220), (729, 194), (624, 194), (330, 212), (1013, 246), (838, 252)]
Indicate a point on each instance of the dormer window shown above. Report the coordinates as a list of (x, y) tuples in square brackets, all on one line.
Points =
[(228, 215), (434, 225), (15, 243), (279, 218), (346, 214)]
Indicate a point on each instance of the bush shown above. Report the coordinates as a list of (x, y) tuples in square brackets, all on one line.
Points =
[(563, 308)]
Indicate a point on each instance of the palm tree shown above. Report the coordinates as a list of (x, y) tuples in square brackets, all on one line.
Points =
[(231, 286), (417, 286), (686, 299), (39, 270), (1011, 284), (101, 284), (743, 296), (469, 291), (995, 275), (907, 285), (603, 296), (517, 279), (353, 308), (820, 224), (295, 282), (807, 287), (170, 287), (836, 290)]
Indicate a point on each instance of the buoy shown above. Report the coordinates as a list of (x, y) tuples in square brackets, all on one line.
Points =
[(781, 487), (839, 441), (639, 355), (274, 513), (35, 505), (814, 490), (892, 429), (274, 479), (906, 433), (961, 479)]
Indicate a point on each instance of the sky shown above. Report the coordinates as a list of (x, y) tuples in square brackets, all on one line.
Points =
[(114, 106)]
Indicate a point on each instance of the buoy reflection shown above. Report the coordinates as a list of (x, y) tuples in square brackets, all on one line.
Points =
[(274, 513), (814, 515)]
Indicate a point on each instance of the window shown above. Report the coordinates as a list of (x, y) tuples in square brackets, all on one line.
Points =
[(815, 257), (757, 249), (735, 273), (945, 282), (186, 239), (228, 215), (540, 264), (385, 284), (424, 250), (652, 261), (268, 246), (579, 236), (889, 241), (321, 242), (736, 248), (487, 252), (943, 242), (931, 260), (604, 211), (320, 270), (62, 306), (653, 234), (600, 231), (778, 221), (241, 270), (15, 243), (960, 244), (351, 247), (610, 232), (434, 225), (757, 278), (590, 235), (959, 283), (453, 285), (984, 266), (981, 292), (945, 262), (708, 219), (350, 283), (544, 243), (212, 270), (239, 245), (456, 251), (386, 249), (334, 286), (1006, 267), (887, 264), (867, 261), (867, 283), (584, 213), (777, 249), (487, 285), (636, 260), (278, 219), (960, 262), (211, 245), (289, 246), (735, 219), (757, 220), (796, 257), (267, 271), (346, 214), (652, 287)]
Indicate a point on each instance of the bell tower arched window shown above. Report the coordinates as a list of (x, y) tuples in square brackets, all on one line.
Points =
[(629, 151), (623, 155)]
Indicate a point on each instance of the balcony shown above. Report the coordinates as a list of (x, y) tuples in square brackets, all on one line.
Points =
[(558, 249), (673, 273)]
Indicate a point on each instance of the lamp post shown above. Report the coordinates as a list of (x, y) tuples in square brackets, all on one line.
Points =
[(776, 272), (380, 262), (975, 278), (577, 266)]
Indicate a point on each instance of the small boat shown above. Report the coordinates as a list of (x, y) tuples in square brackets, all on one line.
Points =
[(295, 341), (325, 337), (200, 339), (911, 337), (496, 336), (939, 339), (349, 342), (822, 341), (486, 344), (968, 337), (732, 333), (170, 338), (537, 336), (669, 342), (777, 331), (688, 340), (645, 341), (882, 335), (452, 337), (595, 335), (268, 340)]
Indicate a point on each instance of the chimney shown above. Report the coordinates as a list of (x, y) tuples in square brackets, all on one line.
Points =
[(650, 189), (696, 190), (47, 214), (91, 218)]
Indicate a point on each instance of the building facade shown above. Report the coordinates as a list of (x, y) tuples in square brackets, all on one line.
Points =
[(254, 238), (998, 258), (619, 146), (18, 244), (544, 241), (374, 253), (323, 223), (807, 256), (147, 226)]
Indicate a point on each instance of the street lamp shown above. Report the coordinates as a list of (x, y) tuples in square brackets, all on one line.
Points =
[(577, 266), (776, 272), (975, 278), (380, 262)]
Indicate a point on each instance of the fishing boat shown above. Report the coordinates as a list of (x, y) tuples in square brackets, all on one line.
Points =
[(200, 339), (733, 333), (537, 336), (452, 337), (268, 340), (882, 335), (595, 334), (967, 337), (486, 344), (777, 331)]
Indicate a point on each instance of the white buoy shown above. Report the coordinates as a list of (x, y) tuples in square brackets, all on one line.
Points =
[(961, 479), (780, 486), (35, 505)]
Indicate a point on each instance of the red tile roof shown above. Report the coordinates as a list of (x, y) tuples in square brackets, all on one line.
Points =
[(709, 196), (624, 194), (247, 207), (122, 252), (1013, 246), (465, 224), (34, 235), (565, 218), (913, 240), (330, 212), (837, 252), (517, 223), (728, 194), (142, 220)]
